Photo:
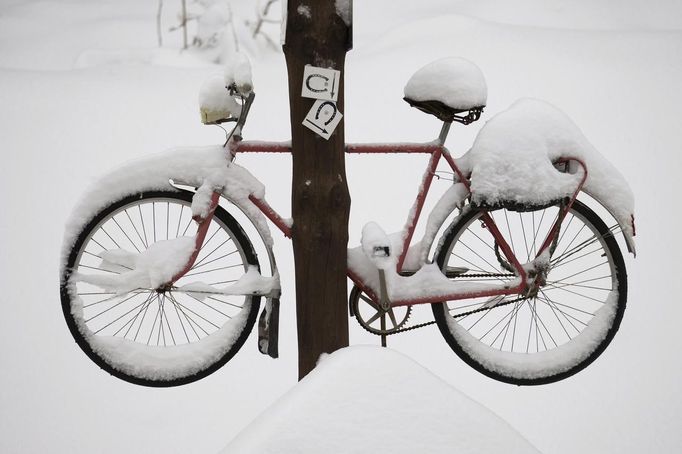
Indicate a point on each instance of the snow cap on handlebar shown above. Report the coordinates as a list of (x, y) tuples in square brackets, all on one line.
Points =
[(219, 93), (215, 103), (238, 74)]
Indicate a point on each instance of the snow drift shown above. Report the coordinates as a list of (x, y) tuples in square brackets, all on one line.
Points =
[(370, 399)]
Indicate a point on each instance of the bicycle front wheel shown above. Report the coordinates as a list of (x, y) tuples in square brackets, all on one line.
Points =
[(541, 338), (157, 336)]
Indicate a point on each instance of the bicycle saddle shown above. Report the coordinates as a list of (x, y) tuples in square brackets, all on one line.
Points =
[(447, 88)]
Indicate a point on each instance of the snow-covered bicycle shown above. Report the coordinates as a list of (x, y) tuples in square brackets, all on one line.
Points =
[(161, 286)]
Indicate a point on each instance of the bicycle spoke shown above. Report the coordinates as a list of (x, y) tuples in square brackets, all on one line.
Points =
[(538, 331), (206, 243), (145, 306), (144, 315), (177, 230), (170, 330), (494, 268), (167, 220), (552, 308), (485, 313), (224, 282), (567, 253), (467, 306), (505, 328), (551, 302), (85, 306), (154, 219), (158, 311), (573, 239), (214, 269), (472, 264), (198, 265), (215, 298), (575, 293), (208, 305), (585, 270), (94, 255), (567, 306), (511, 237), (117, 319), (482, 240), (110, 237), (188, 318), (198, 315), (177, 312), (551, 284), (125, 234), (593, 239), (548, 332), (562, 262), (144, 230), (535, 234), (161, 313), (530, 327), (109, 308), (564, 228), (189, 223), (211, 253), (525, 240), (135, 228)]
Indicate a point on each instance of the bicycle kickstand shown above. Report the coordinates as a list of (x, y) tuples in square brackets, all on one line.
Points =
[(384, 304)]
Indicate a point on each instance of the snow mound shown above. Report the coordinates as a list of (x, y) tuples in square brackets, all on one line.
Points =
[(370, 399), (511, 160), (148, 269), (456, 82)]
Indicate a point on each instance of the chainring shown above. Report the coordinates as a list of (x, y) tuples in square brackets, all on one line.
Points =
[(369, 314)]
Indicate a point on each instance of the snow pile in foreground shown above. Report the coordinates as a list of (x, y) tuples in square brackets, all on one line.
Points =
[(370, 399)]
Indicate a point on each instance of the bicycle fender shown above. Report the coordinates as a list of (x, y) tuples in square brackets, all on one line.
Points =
[(452, 199), (183, 169), (627, 228)]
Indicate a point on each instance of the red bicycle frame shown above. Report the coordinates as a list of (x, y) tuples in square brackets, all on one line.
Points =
[(436, 150)]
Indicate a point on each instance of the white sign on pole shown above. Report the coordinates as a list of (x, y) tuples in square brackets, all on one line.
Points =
[(323, 118), (320, 83)]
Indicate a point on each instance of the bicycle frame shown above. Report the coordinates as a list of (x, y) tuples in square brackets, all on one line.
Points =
[(436, 150)]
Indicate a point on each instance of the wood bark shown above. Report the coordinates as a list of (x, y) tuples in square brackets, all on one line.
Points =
[(316, 35)]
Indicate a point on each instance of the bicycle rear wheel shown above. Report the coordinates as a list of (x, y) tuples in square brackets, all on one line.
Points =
[(153, 336), (549, 336)]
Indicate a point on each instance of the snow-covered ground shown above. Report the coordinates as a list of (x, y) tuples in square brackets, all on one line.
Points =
[(83, 89), (369, 399)]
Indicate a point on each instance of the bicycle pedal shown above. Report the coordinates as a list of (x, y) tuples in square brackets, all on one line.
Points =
[(454, 271)]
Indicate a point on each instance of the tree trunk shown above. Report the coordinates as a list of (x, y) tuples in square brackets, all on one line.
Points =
[(316, 35)]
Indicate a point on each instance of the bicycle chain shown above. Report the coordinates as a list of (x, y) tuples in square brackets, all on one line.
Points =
[(464, 314)]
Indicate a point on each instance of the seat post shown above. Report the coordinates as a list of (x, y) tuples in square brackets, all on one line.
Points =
[(444, 132)]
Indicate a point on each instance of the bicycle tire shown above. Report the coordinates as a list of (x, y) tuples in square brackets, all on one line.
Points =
[(595, 324), (218, 337)]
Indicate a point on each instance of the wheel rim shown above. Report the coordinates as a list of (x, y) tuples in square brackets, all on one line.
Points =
[(570, 316), (150, 334)]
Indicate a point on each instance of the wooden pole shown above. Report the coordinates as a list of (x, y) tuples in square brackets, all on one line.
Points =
[(317, 36)]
